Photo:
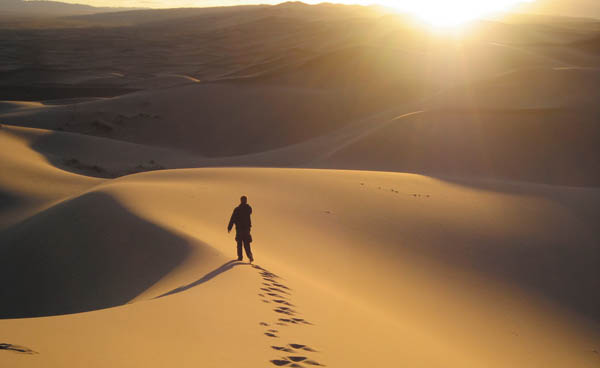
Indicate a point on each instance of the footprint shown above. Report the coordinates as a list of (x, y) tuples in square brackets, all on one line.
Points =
[(286, 309), (274, 289), (301, 320), (263, 324), (278, 290), (280, 301), (16, 348), (283, 348), (295, 320), (280, 286), (265, 301), (268, 274), (302, 347), (275, 295), (280, 362), (312, 362)]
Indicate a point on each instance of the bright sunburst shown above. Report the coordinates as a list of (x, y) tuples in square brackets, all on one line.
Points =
[(449, 13)]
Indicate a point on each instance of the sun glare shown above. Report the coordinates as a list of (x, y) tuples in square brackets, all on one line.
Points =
[(444, 13)]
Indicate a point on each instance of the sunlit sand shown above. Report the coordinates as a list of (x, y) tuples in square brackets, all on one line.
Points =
[(418, 199)]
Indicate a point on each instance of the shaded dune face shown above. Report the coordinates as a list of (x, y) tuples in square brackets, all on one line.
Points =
[(534, 145), (84, 254)]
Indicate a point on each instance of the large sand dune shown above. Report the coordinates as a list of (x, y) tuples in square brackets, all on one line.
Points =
[(454, 273), (420, 199)]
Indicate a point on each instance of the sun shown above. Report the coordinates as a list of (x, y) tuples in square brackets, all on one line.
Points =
[(450, 13)]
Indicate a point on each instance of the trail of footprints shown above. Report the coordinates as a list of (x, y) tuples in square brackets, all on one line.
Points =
[(275, 293)]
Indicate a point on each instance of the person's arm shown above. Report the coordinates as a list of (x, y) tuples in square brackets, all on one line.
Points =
[(250, 218), (231, 221)]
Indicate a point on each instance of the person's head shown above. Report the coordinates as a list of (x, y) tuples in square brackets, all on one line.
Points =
[(244, 200)]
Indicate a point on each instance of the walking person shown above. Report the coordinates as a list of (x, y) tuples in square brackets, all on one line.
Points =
[(241, 218)]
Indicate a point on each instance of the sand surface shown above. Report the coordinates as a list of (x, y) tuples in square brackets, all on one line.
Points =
[(386, 268), (420, 199)]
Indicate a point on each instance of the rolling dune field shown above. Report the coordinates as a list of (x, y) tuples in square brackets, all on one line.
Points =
[(420, 199)]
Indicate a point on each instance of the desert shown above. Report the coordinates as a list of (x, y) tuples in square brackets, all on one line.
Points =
[(421, 196)]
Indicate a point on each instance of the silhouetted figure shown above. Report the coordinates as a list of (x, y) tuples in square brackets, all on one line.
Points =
[(241, 218)]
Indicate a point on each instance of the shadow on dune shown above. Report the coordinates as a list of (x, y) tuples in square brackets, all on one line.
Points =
[(550, 146), (555, 257), (84, 254), (212, 274), (96, 156), (565, 273), (8, 201)]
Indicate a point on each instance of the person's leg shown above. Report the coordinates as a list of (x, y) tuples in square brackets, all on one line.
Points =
[(248, 251), (239, 249)]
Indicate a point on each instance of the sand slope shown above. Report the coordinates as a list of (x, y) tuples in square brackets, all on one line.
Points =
[(28, 182), (429, 262), (466, 262), (376, 267), (534, 145)]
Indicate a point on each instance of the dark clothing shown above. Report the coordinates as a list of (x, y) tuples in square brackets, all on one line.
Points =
[(246, 247), (241, 218)]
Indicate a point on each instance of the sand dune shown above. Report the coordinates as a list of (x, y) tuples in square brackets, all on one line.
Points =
[(518, 126), (100, 157), (210, 43), (488, 120), (419, 199), (16, 8), (22, 171), (534, 145), (439, 65), (85, 266), (11, 106), (460, 246), (530, 88), (211, 119)]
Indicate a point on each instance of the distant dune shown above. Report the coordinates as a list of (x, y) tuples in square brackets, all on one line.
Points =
[(573, 8), (50, 8), (535, 145), (591, 46), (518, 125)]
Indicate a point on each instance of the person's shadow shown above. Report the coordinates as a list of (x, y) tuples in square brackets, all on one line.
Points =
[(224, 267)]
